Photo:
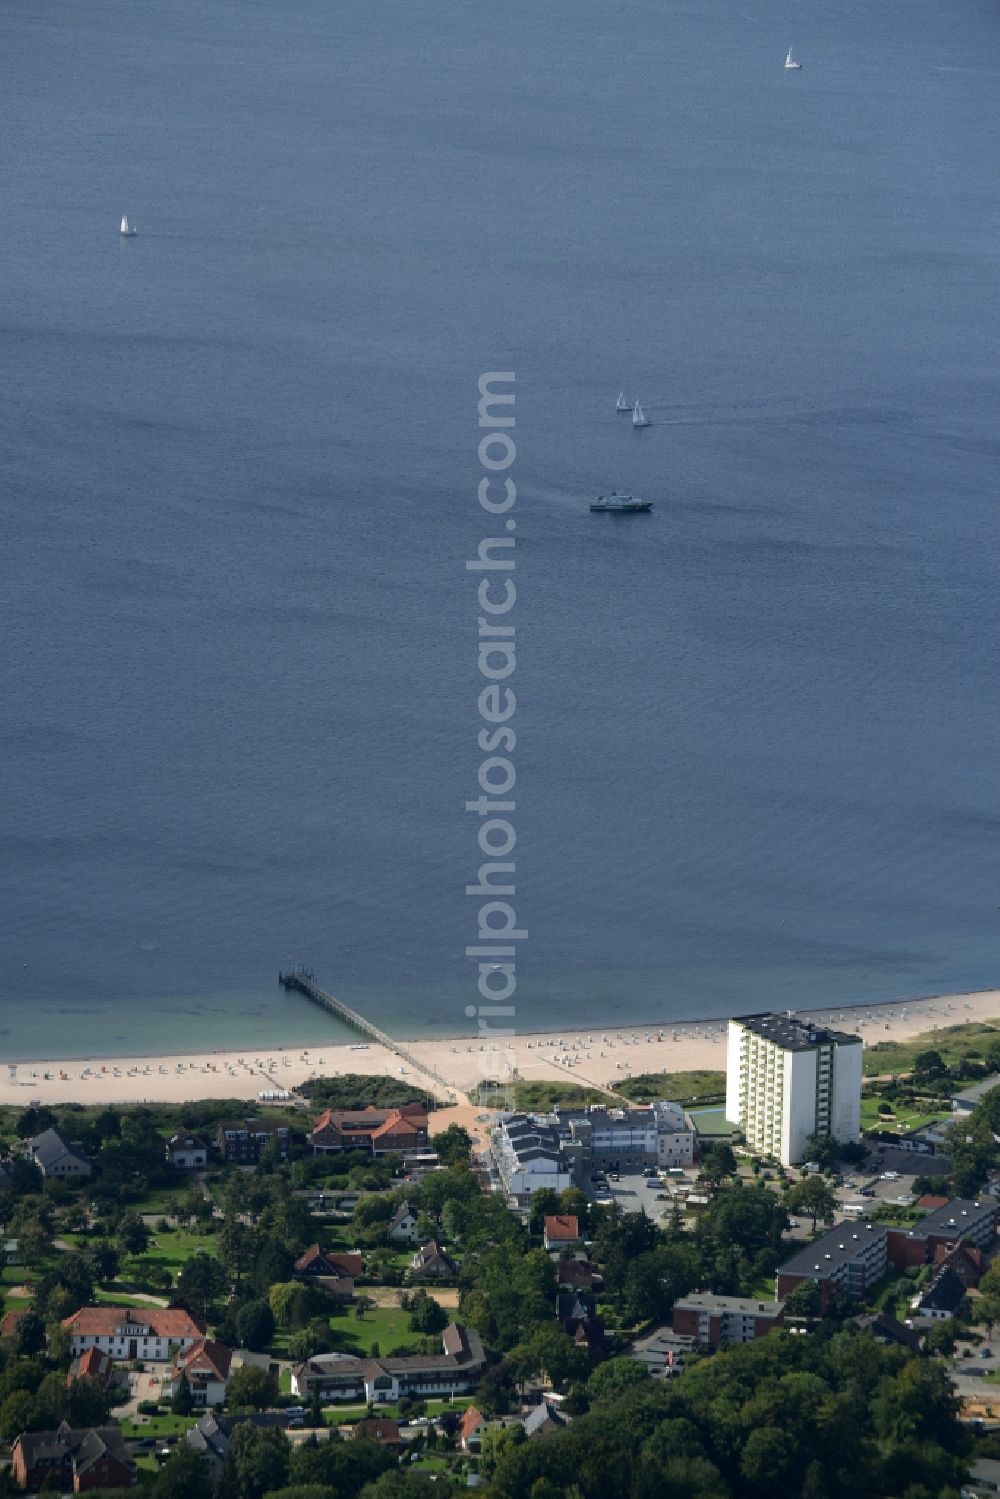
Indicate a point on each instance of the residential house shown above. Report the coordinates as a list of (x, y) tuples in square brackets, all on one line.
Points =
[(382, 1430), (886, 1330), (206, 1366), (72, 1461), (942, 1297), (560, 1230), (578, 1274), (126, 1332), (662, 1352), (471, 1430), (210, 1438), (711, 1320), (431, 1262), (402, 1225), (187, 1152), (93, 1364), (968, 1264), (381, 1381), (542, 1420), (375, 1130), (55, 1158), (335, 1273), (244, 1141), (9, 1321), (576, 1316)]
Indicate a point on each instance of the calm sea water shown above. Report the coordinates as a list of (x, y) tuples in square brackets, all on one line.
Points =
[(758, 730)]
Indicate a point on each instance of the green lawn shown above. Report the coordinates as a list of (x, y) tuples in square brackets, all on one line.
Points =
[(157, 1426), (682, 1087), (902, 1118), (385, 1325)]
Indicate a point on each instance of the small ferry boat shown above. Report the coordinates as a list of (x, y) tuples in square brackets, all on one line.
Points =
[(639, 417), (126, 231), (621, 504), (791, 66), (621, 404)]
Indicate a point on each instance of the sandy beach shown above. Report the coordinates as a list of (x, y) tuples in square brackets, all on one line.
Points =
[(600, 1058)]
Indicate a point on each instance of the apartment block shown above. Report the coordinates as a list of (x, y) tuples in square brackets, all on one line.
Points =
[(787, 1079), (712, 1320)]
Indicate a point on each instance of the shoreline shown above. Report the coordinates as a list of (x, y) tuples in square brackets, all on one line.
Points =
[(588, 1057), (447, 1038)]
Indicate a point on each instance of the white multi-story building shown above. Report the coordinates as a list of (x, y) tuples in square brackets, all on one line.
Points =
[(528, 1155), (787, 1079), (660, 1135)]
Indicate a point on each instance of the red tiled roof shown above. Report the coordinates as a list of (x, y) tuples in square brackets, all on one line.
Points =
[(347, 1264), (378, 1429), (471, 1420), (92, 1364), (562, 1226), (931, 1202), (205, 1357), (105, 1321), (9, 1321)]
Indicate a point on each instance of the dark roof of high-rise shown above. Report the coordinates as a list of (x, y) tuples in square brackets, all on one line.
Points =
[(793, 1034)]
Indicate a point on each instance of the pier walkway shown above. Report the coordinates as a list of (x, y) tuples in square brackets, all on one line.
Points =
[(304, 982)]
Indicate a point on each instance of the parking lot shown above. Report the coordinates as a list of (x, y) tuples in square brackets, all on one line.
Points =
[(633, 1191)]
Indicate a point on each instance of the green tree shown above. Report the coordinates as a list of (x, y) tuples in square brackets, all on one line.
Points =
[(615, 1378), (260, 1459), (453, 1145), (183, 1476), (804, 1300), (85, 1402), (15, 1414), (132, 1236), (182, 1400), (988, 1304), (103, 1260), (718, 1163), (29, 1337), (426, 1314), (201, 1281), (251, 1388), (255, 1325), (814, 1196)]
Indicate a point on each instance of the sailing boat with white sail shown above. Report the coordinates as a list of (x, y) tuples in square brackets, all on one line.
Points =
[(639, 417), (126, 231), (622, 404), (791, 66)]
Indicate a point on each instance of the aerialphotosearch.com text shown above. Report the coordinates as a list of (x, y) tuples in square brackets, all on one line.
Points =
[(497, 932)]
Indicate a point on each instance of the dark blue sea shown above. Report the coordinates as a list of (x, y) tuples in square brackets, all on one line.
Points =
[(758, 730)]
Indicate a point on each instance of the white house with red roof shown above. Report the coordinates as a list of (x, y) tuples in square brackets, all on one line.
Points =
[(128, 1332), (560, 1230), (205, 1365)]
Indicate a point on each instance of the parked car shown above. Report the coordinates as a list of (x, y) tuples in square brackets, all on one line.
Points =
[(985, 1353)]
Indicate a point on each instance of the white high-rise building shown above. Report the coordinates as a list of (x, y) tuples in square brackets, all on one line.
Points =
[(787, 1079)]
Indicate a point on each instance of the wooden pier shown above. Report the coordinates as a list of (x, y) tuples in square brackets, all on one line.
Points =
[(304, 982)]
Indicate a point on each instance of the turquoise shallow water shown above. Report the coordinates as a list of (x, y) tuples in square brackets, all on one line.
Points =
[(758, 730)]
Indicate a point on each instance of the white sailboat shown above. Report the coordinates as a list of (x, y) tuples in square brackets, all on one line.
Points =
[(639, 417), (622, 404), (126, 231), (791, 66)]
